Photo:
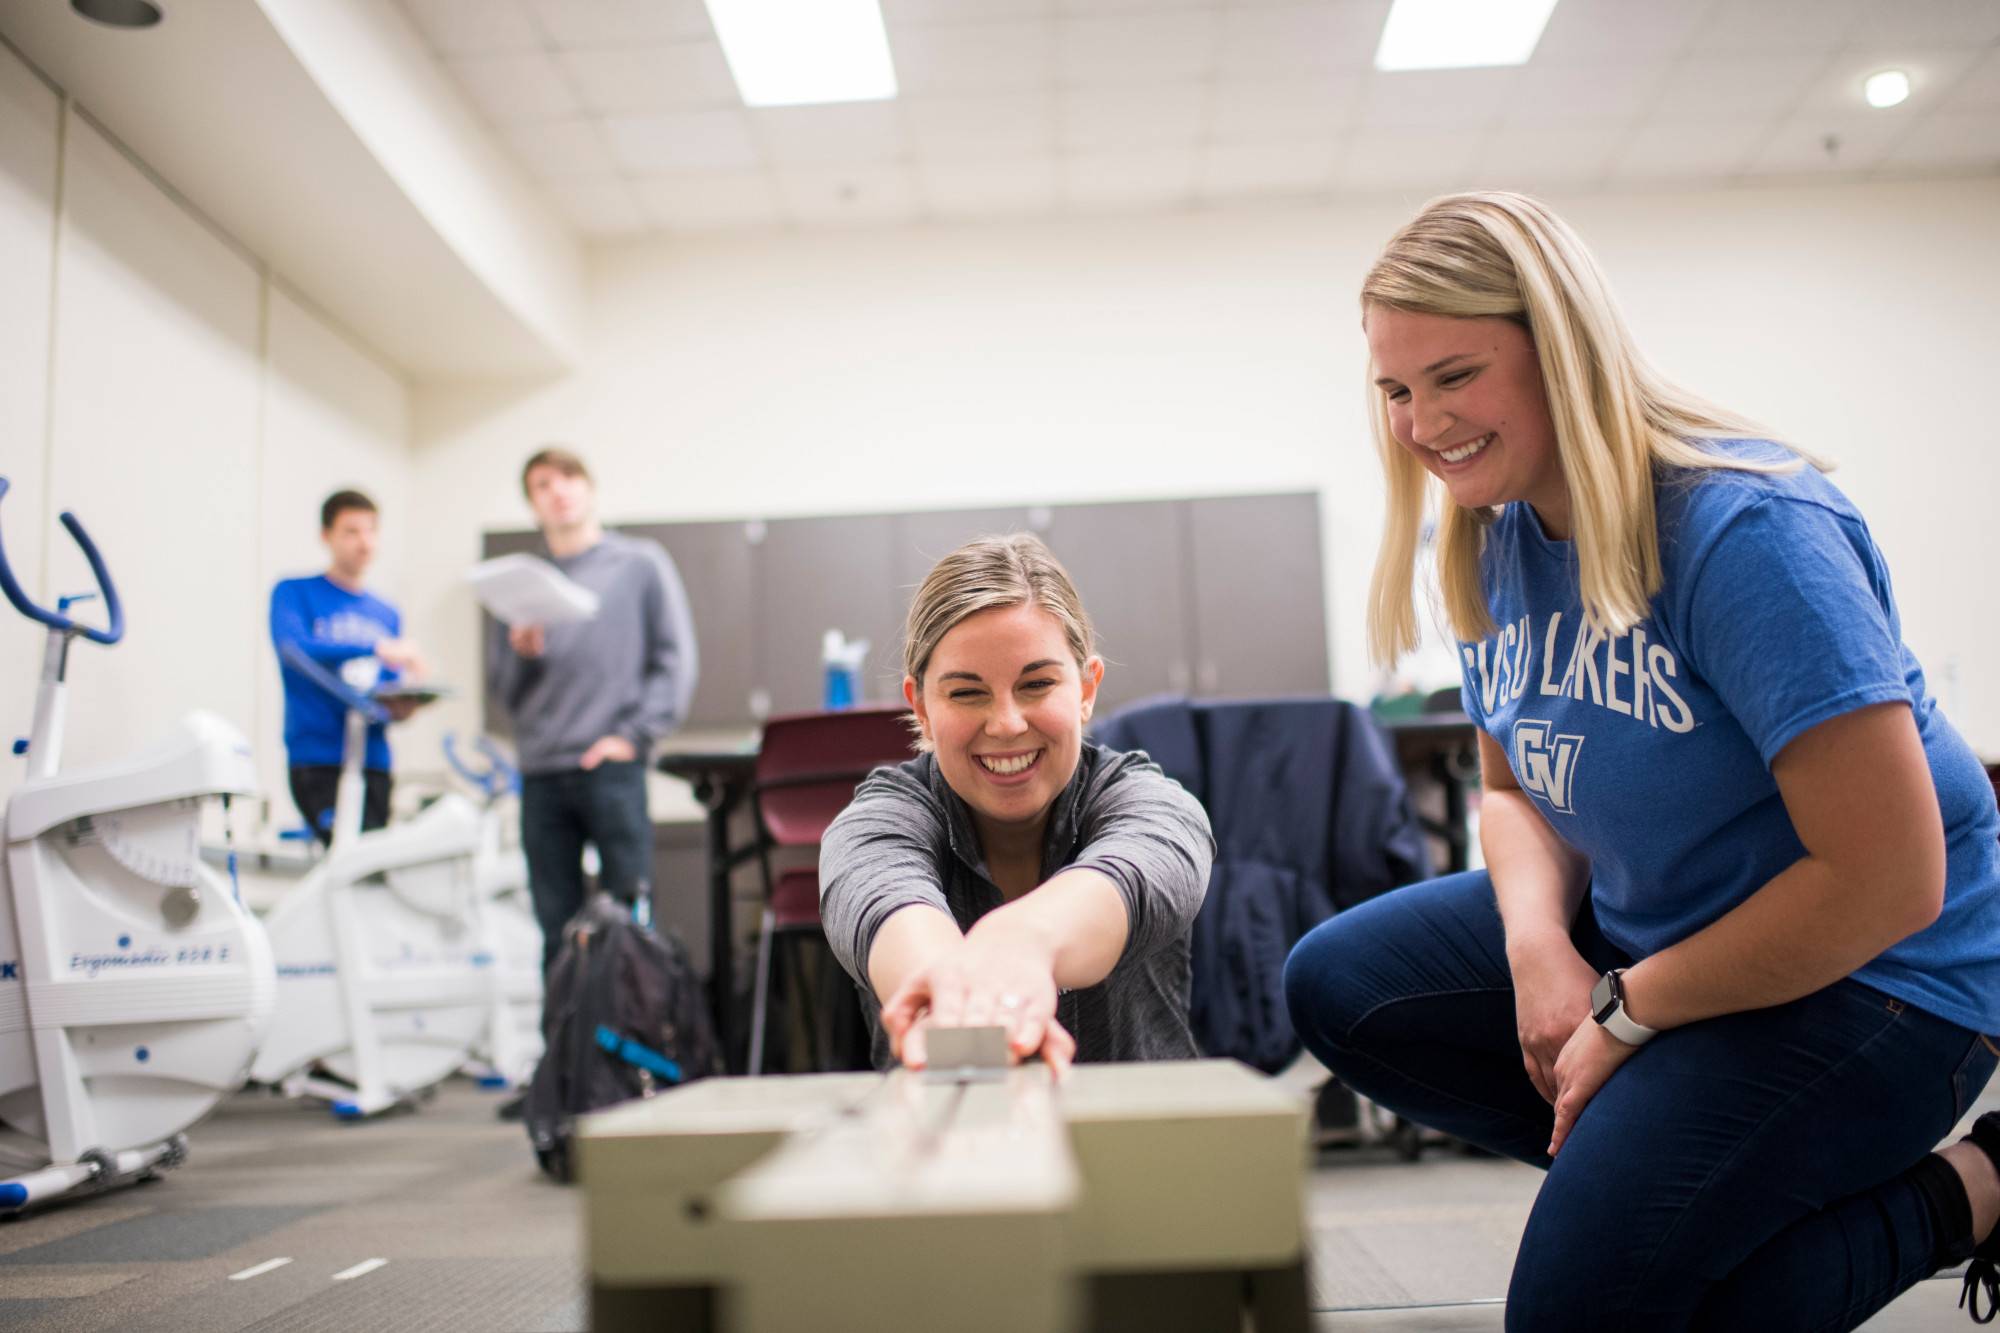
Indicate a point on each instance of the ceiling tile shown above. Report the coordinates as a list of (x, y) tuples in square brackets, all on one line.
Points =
[(1137, 48), (474, 27), (1018, 125), (1467, 100), (1019, 187), (1775, 27), (1928, 23), (1379, 160), (1249, 112), (510, 89), (600, 208), (652, 78), (1933, 72), (1330, 37), (1559, 95), (836, 135), (1531, 159), (869, 195), (1979, 88), (711, 201), (683, 141), (974, 57), (910, 13), (1152, 178), (1799, 145), (584, 24), (1581, 31), (1143, 116), (1716, 87), (1231, 170), (1948, 139), (559, 150), (1684, 150)]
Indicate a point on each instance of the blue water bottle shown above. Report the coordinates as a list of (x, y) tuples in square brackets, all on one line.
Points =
[(841, 662)]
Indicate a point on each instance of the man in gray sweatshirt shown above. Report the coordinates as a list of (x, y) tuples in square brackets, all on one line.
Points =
[(589, 698)]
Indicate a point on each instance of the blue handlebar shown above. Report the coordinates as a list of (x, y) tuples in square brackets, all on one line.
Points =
[(500, 775), (301, 661), (114, 609)]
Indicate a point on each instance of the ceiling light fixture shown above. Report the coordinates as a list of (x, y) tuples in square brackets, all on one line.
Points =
[(1461, 34), (119, 13), (1888, 88), (801, 52)]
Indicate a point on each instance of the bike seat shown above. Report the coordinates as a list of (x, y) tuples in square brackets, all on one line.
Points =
[(444, 830), (202, 756)]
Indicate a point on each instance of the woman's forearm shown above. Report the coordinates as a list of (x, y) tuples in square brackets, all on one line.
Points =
[(1538, 879), (1077, 916), (1804, 930), (910, 938)]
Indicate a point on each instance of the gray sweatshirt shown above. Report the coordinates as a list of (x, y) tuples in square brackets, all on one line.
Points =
[(628, 671), (908, 838)]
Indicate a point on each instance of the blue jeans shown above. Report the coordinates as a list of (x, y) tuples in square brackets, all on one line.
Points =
[(560, 812), (1746, 1172)]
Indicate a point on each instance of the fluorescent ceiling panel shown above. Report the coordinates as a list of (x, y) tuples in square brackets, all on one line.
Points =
[(802, 52), (1460, 34)]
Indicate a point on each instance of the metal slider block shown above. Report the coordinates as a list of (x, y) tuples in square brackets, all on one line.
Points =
[(958, 1055)]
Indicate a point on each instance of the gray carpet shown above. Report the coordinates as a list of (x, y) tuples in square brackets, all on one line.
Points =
[(474, 1239)]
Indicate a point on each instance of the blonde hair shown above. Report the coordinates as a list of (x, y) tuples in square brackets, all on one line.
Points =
[(987, 574), (1496, 254)]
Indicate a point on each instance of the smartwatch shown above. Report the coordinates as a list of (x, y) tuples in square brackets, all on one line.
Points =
[(1607, 1006)]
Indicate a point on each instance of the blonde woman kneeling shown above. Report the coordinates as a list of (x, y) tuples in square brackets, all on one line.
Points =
[(1727, 976)]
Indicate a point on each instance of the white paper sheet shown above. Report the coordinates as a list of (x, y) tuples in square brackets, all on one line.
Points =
[(527, 590)]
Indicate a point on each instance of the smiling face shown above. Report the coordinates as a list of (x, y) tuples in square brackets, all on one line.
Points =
[(1003, 701), (1465, 397)]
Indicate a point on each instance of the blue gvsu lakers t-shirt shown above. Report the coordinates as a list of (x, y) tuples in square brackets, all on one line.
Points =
[(1650, 751)]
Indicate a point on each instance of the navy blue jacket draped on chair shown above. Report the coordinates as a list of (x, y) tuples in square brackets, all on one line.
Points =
[(1311, 815)]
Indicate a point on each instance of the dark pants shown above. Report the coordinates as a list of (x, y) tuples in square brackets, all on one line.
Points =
[(560, 812), (1745, 1172), (315, 788)]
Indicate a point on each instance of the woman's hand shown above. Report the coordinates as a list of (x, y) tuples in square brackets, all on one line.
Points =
[(1551, 996), (1588, 1059), (998, 975)]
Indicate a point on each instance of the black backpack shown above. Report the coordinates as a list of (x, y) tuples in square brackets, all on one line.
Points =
[(622, 1017)]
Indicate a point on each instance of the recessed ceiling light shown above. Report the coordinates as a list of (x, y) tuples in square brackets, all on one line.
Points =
[(118, 13), (800, 52), (1459, 34), (1888, 88)]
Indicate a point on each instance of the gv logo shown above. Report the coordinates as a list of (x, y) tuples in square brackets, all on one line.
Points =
[(1546, 763)]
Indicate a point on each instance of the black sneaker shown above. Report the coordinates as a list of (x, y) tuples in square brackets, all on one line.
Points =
[(513, 1108), (1982, 1273)]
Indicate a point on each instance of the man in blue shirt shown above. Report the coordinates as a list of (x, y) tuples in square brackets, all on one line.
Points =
[(332, 620)]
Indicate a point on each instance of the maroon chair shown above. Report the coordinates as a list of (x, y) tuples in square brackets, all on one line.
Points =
[(807, 770)]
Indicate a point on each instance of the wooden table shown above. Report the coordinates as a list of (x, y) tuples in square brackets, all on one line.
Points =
[(720, 767), (1447, 746), (1163, 1197)]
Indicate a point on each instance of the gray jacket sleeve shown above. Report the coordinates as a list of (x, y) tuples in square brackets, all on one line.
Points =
[(1144, 832), (885, 851), (672, 661), (505, 668)]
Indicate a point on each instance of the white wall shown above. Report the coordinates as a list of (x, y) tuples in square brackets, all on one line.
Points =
[(1122, 358), (158, 382)]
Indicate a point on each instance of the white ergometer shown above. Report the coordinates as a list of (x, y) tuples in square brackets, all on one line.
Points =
[(510, 937), (382, 977), (134, 986)]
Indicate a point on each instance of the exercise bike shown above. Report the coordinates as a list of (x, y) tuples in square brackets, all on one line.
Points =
[(382, 985), (510, 936), (134, 986)]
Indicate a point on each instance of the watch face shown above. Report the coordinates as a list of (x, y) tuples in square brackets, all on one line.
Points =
[(1603, 998)]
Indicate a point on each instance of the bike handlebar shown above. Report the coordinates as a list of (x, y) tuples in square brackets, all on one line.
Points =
[(500, 774), (301, 661), (56, 620)]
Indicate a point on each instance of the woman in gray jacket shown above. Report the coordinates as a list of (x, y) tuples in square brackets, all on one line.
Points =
[(1015, 874)]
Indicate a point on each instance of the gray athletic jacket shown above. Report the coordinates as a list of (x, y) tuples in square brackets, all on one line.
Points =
[(908, 838), (628, 671)]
